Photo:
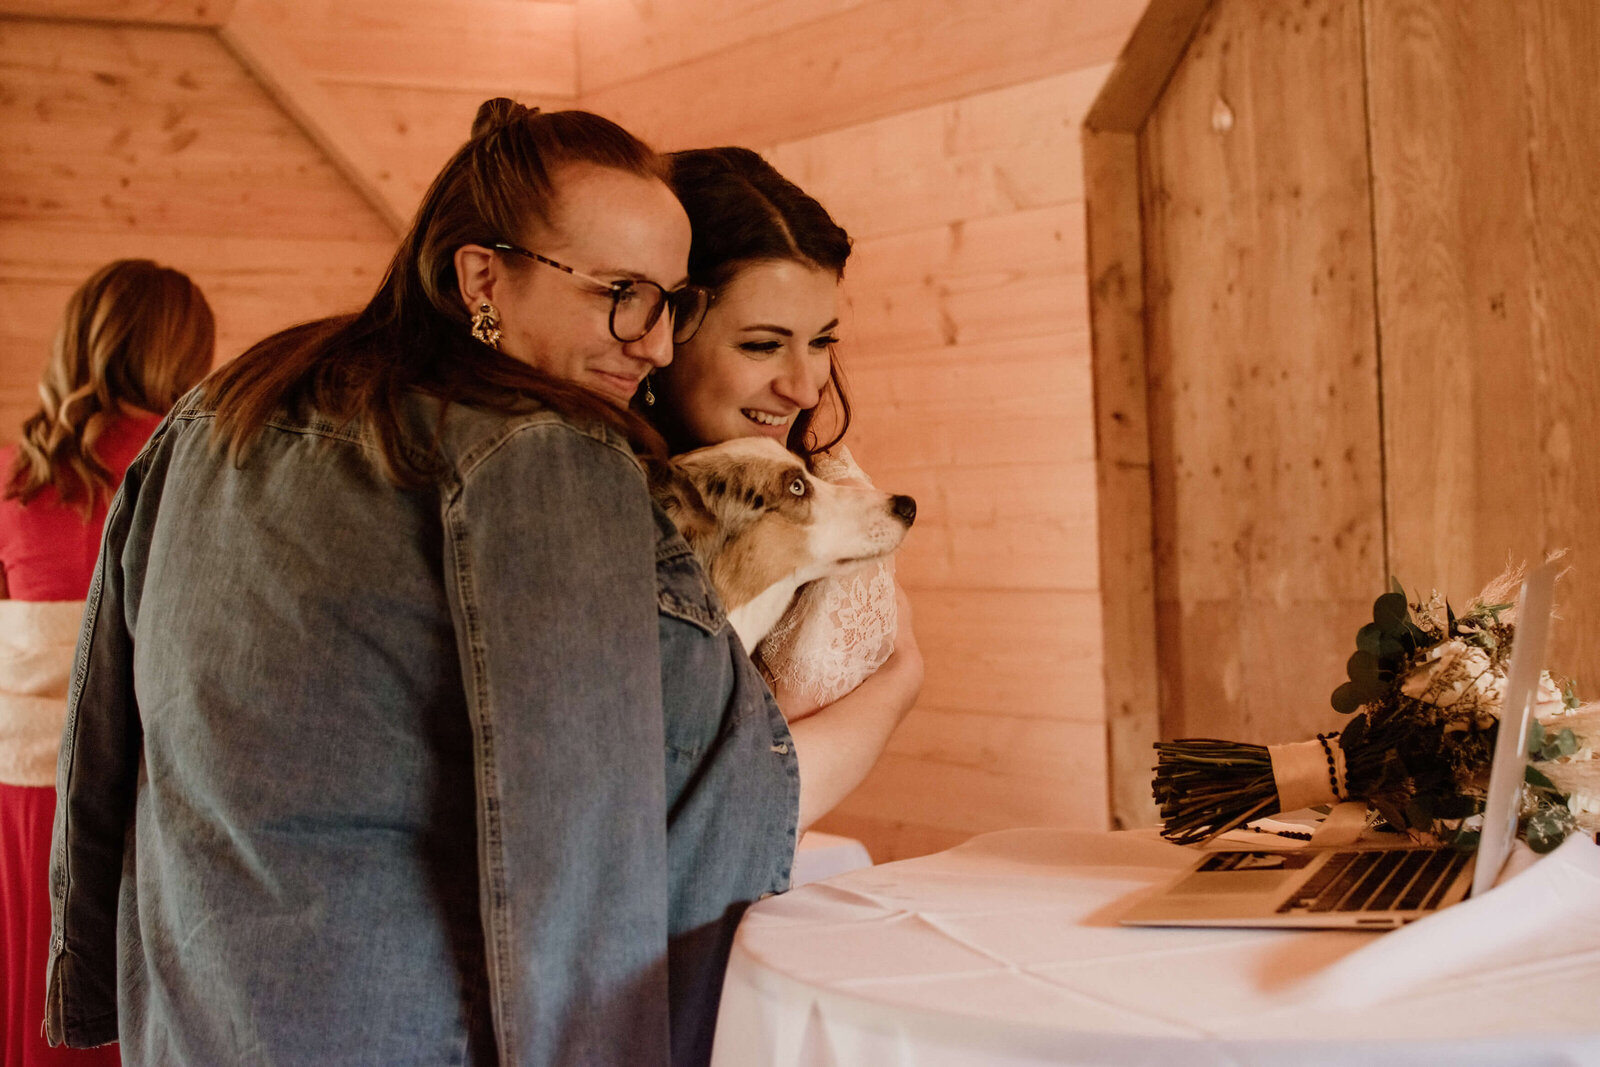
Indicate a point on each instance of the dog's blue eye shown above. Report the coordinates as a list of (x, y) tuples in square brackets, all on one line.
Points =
[(798, 487)]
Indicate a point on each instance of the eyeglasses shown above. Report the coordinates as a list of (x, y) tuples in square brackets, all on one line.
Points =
[(636, 304)]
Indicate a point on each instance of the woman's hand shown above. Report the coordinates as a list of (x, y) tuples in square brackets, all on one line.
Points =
[(836, 745)]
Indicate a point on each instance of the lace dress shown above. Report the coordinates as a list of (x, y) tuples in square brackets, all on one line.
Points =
[(838, 630)]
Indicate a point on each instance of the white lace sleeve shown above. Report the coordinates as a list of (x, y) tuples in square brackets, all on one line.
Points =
[(838, 630)]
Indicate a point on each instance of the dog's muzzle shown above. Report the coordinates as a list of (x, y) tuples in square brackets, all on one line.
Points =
[(904, 508)]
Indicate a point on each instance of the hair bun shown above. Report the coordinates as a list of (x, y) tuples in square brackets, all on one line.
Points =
[(498, 113)]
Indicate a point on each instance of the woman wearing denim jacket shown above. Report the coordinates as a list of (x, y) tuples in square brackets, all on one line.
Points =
[(404, 729)]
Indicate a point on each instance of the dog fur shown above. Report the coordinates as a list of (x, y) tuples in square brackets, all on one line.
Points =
[(762, 525)]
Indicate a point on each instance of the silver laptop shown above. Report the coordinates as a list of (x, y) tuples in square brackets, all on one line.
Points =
[(1373, 887)]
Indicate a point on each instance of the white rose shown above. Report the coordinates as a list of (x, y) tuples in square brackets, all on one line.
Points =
[(1453, 671)]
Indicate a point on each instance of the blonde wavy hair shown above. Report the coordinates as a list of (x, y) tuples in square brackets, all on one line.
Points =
[(135, 335)]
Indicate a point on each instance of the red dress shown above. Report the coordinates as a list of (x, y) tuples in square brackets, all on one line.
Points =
[(48, 552)]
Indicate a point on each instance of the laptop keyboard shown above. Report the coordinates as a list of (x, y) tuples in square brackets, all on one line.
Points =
[(1379, 880)]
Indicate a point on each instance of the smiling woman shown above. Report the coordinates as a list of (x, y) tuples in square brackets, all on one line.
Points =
[(842, 661), (760, 359), (599, 322)]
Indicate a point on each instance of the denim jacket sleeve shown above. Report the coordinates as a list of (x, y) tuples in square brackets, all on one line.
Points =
[(550, 571), (101, 748)]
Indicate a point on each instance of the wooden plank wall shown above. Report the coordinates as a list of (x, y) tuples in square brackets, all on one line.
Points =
[(944, 137), (408, 75), (1487, 176), (1369, 325), (129, 140), (1265, 445)]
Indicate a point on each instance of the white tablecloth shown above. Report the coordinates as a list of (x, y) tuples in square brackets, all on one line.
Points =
[(1005, 952), (821, 855)]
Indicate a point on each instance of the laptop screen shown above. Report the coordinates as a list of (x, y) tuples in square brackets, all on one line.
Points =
[(1502, 806)]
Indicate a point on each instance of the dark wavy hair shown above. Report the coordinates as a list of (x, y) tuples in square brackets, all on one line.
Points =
[(742, 212), (134, 334), (414, 333)]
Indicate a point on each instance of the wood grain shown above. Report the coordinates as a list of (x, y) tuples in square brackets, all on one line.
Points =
[(968, 800), (989, 155), (1486, 296), (123, 141), (621, 40), (867, 62), (415, 130), (1123, 473), (157, 12), (156, 130), (260, 51), (1019, 652), (1154, 50), (1265, 448), (495, 47)]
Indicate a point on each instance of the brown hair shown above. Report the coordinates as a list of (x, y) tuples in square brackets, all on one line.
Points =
[(414, 333), (743, 211), (134, 335)]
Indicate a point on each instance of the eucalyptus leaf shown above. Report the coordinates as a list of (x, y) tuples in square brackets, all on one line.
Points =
[(1370, 638), (1345, 699), (1545, 831), (1537, 778), (1391, 613), (1535, 739), (1362, 668), (1566, 742)]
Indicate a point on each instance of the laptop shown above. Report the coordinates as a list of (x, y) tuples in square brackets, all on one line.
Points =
[(1381, 886)]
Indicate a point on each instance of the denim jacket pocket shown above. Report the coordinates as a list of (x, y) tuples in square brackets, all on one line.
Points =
[(683, 590), (697, 653)]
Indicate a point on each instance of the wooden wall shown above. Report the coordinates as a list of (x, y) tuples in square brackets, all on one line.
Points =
[(1366, 255), (1264, 414), (944, 137), (1486, 179), (272, 150), (143, 140), (396, 82)]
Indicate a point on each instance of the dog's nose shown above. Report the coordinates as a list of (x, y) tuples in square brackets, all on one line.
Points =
[(904, 507)]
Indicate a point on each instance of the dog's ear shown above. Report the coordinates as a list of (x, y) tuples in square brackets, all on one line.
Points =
[(678, 496)]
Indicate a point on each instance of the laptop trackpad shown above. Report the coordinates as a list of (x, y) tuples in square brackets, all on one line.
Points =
[(1244, 871), (1233, 882)]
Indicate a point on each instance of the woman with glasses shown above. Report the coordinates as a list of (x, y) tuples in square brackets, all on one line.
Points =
[(409, 732), (842, 662), (135, 336)]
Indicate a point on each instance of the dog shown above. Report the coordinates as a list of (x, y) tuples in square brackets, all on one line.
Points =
[(763, 526)]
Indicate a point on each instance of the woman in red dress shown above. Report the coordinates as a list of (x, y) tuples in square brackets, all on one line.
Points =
[(134, 338)]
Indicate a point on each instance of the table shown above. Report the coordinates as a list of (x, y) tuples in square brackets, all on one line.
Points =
[(821, 855), (1005, 952)]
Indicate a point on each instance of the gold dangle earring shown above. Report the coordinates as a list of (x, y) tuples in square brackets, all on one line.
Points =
[(649, 396), (486, 324)]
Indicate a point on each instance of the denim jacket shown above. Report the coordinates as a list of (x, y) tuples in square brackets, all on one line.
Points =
[(354, 774)]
